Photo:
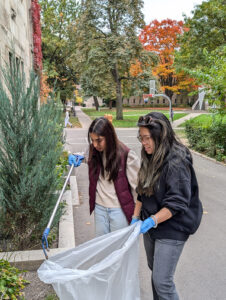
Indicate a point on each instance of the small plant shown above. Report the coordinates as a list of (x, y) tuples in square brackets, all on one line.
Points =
[(51, 297), (11, 281)]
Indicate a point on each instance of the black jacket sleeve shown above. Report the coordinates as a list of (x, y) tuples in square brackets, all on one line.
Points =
[(177, 189)]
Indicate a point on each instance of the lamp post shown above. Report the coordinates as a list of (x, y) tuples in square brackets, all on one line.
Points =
[(170, 105), (152, 91)]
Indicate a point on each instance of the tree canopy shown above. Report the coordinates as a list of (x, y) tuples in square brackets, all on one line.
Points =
[(107, 43), (206, 29), (202, 50), (162, 39), (57, 17)]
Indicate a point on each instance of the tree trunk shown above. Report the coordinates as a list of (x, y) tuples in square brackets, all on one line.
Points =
[(96, 102), (119, 111), (110, 104)]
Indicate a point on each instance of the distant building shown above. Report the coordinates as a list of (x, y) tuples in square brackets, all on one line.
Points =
[(16, 33)]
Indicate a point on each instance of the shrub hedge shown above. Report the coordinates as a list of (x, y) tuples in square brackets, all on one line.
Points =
[(210, 140)]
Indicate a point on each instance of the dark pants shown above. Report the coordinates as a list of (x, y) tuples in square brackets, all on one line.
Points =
[(162, 257)]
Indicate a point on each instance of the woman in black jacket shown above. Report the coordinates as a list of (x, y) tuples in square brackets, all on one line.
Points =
[(168, 200)]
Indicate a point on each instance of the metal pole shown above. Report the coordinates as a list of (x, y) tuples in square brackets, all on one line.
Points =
[(59, 199), (170, 104)]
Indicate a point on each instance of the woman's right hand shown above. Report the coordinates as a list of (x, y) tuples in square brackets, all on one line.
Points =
[(147, 224), (75, 159)]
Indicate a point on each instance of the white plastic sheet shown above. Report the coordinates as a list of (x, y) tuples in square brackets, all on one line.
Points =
[(105, 268)]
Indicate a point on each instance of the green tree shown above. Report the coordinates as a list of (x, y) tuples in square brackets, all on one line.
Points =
[(213, 77), (92, 83), (206, 29), (108, 30), (57, 17), (30, 148), (202, 49)]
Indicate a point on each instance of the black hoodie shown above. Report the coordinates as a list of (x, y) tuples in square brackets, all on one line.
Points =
[(177, 190)]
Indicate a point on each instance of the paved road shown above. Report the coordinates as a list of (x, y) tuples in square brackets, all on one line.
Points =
[(201, 273)]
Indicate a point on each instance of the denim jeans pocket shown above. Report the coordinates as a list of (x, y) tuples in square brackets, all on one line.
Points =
[(170, 242)]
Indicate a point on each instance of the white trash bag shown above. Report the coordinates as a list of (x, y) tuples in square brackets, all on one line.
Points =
[(105, 268)]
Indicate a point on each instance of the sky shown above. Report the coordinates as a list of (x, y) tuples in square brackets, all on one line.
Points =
[(171, 9)]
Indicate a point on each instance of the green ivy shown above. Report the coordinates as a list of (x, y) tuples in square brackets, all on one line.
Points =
[(11, 281)]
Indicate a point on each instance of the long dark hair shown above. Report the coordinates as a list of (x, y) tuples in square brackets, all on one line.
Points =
[(102, 127), (167, 146)]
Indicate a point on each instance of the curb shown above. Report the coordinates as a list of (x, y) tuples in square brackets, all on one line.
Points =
[(207, 157), (31, 260)]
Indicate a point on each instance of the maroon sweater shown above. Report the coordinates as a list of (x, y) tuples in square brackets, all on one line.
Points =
[(121, 184)]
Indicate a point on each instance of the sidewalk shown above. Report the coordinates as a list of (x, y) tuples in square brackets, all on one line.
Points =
[(83, 118), (192, 115)]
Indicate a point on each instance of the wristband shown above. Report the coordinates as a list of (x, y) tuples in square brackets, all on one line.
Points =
[(155, 220), (135, 217)]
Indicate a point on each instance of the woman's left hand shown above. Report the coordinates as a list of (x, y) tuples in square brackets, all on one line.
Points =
[(147, 224)]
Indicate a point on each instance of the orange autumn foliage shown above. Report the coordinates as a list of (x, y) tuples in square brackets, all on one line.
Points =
[(135, 69), (44, 87), (161, 38)]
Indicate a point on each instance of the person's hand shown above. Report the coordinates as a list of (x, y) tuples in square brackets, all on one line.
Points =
[(146, 225), (75, 159), (134, 220)]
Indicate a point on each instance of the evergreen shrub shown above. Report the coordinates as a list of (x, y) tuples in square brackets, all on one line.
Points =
[(30, 147), (210, 139)]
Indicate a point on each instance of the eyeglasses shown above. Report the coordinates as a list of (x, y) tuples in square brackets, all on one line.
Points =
[(145, 120), (144, 138)]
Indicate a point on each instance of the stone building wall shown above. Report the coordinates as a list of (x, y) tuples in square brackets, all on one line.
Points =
[(177, 100), (16, 32)]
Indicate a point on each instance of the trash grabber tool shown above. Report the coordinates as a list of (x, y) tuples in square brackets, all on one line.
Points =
[(47, 230)]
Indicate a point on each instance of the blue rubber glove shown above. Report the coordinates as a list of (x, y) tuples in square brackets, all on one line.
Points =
[(75, 159), (134, 221), (146, 225)]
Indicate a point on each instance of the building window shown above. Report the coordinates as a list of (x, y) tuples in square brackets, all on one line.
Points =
[(158, 101), (134, 101), (163, 101), (17, 63), (10, 61), (175, 101), (13, 14), (22, 66)]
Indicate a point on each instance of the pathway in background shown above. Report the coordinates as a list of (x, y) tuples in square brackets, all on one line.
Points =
[(192, 115)]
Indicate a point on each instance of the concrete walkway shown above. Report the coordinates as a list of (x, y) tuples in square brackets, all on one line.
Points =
[(83, 118), (176, 123)]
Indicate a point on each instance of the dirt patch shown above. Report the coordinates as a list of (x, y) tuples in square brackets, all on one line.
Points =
[(37, 290)]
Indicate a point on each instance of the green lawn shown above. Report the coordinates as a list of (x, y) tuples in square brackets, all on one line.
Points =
[(204, 120), (130, 116)]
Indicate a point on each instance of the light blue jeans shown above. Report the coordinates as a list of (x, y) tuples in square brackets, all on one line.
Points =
[(162, 257), (108, 219)]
